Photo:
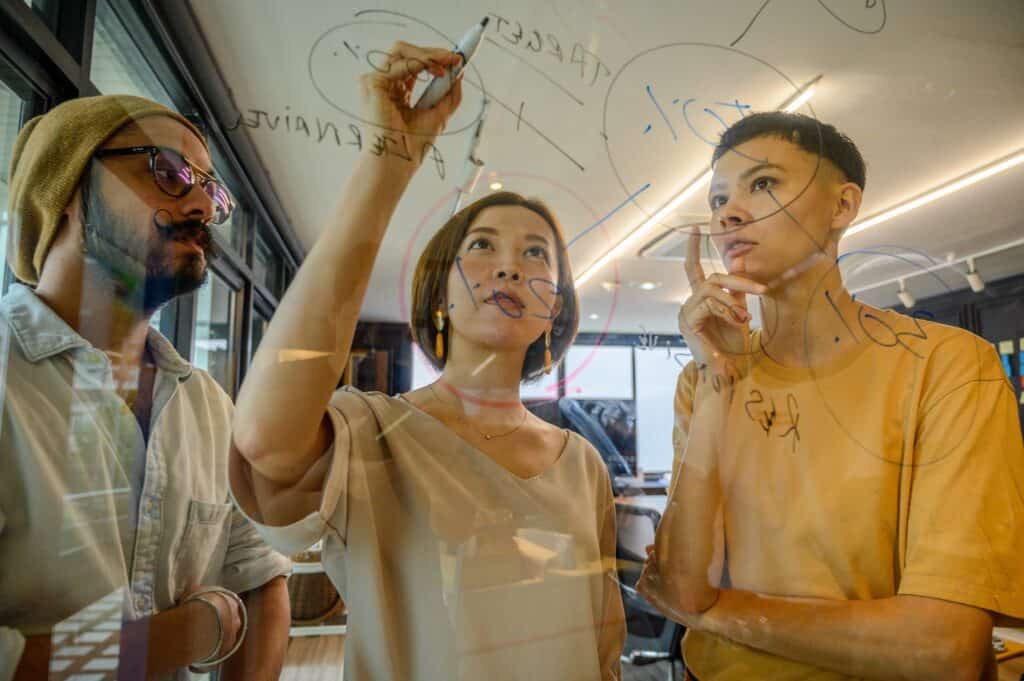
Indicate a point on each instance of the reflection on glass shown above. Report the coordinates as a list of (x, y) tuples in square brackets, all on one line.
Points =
[(213, 345), (259, 327), (45, 9), (267, 267), (603, 371), (657, 371), (10, 119), (118, 66), (235, 229)]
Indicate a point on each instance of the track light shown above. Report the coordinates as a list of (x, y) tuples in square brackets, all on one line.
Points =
[(904, 295), (973, 278)]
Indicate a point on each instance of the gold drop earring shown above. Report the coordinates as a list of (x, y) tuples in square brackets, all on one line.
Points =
[(439, 339), (547, 351)]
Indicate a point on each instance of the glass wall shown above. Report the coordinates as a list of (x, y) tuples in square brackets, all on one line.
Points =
[(657, 372), (218, 322), (214, 341), (118, 65), (10, 121)]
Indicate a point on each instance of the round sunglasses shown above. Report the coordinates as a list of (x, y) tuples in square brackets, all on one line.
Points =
[(175, 175)]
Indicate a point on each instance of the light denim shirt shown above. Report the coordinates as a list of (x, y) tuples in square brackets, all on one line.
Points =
[(87, 507)]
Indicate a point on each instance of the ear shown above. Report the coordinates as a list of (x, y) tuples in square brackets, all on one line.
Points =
[(556, 309), (73, 211), (847, 205)]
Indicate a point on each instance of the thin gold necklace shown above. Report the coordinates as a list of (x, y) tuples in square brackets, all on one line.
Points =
[(470, 424)]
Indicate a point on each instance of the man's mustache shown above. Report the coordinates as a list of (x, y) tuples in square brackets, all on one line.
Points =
[(187, 230)]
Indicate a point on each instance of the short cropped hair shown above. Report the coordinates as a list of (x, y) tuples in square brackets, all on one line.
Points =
[(807, 133), (431, 278)]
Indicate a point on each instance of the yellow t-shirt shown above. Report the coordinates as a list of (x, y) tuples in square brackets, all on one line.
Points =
[(897, 469)]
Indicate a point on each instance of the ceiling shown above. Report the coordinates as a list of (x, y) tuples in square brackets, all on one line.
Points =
[(928, 89)]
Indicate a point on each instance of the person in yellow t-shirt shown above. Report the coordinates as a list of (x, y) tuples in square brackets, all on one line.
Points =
[(848, 492)]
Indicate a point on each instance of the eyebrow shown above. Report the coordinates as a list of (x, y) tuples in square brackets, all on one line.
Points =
[(492, 230), (750, 171)]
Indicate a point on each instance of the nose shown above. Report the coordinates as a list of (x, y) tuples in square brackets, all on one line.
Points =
[(732, 215), (504, 274), (197, 204)]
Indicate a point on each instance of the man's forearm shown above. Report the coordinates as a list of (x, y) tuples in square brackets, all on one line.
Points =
[(902, 637), (262, 654), (35, 659), (154, 647)]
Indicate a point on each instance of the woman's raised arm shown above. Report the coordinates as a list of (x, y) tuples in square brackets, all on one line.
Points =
[(280, 422)]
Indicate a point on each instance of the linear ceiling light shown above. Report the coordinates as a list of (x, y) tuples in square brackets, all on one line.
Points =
[(977, 176), (791, 105)]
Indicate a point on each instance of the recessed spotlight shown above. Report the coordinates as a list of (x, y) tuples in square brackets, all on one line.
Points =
[(649, 285), (594, 315), (495, 186), (610, 285)]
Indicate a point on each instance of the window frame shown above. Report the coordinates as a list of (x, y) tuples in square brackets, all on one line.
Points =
[(48, 60)]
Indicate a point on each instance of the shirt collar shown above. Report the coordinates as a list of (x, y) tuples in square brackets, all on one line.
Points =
[(43, 334)]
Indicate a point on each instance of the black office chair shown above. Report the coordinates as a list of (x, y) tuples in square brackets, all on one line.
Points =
[(650, 637), (586, 425)]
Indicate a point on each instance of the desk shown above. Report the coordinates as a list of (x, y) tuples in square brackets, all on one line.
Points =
[(1013, 669), (657, 502)]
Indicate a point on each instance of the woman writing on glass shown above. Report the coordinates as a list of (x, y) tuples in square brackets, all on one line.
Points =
[(469, 538)]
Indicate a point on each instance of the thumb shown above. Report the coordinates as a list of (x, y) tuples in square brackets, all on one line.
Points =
[(739, 268), (445, 108)]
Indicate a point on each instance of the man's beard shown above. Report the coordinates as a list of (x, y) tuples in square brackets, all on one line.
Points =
[(147, 276)]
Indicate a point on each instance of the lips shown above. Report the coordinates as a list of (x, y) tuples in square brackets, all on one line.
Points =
[(186, 232), (734, 247), (199, 244), (505, 300)]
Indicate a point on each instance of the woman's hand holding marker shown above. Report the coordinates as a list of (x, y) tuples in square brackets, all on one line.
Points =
[(387, 93)]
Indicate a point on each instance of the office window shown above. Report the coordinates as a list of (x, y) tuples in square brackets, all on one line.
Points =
[(545, 388), (214, 346), (45, 10), (268, 267), (599, 372), (423, 373), (656, 374), (235, 231), (257, 330), (10, 123), (118, 65)]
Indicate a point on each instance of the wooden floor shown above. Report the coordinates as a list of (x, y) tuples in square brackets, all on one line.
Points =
[(319, 658), (314, 658)]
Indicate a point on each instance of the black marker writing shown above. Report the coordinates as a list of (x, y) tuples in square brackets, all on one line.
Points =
[(396, 145), (892, 338), (512, 33), (767, 416)]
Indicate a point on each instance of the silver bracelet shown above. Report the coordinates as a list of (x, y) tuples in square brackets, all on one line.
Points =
[(207, 664), (220, 626)]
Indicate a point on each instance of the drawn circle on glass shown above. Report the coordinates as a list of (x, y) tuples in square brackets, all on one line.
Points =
[(676, 98), (343, 52), (870, 329)]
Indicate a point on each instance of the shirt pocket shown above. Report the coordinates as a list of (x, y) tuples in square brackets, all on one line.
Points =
[(203, 547)]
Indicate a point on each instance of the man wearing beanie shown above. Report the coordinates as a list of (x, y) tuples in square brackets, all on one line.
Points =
[(114, 449)]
